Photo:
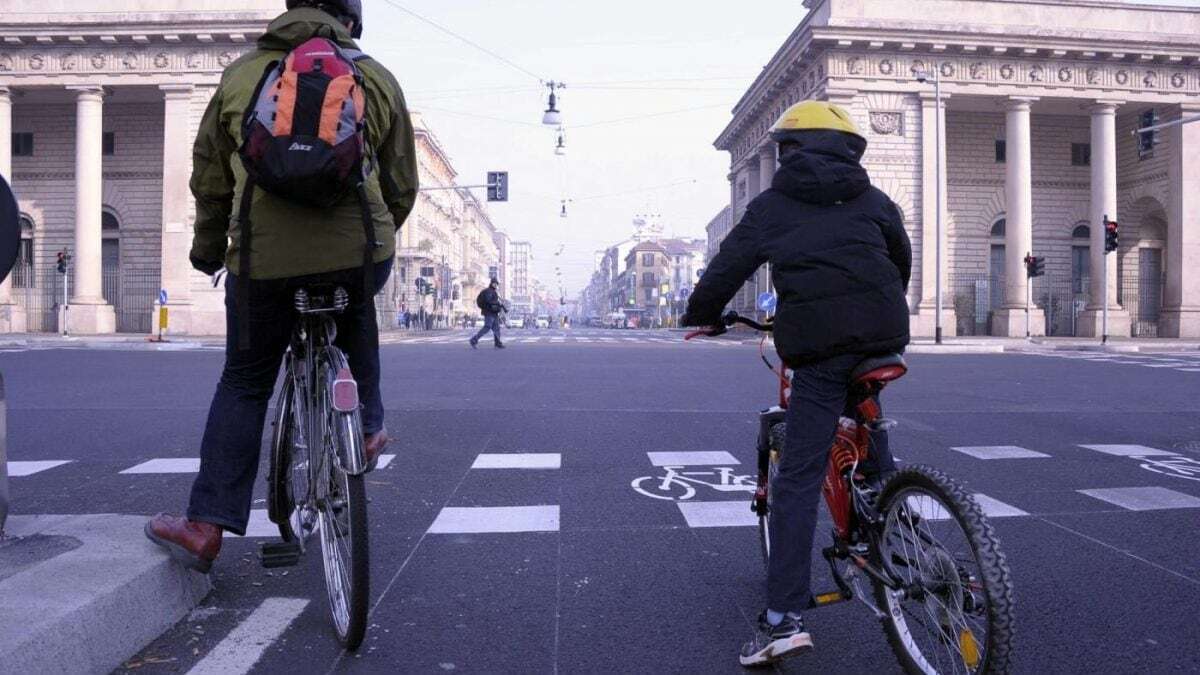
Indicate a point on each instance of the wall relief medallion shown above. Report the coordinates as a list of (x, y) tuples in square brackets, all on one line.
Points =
[(1093, 76), (1037, 74), (195, 59), (947, 69), (1122, 77), (1007, 71), (1065, 74), (225, 58), (1178, 80), (37, 62), (854, 65), (977, 70), (917, 66), (98, 61), (1150, 80), (129, 61), (888, 123), (66, 62), (161, 60), (886, 67)]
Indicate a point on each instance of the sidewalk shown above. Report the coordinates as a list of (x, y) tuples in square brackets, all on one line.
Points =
[(84, 593)]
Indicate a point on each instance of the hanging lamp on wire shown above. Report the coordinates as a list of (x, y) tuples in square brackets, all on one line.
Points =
[(561, 148), (552, 117), (563, 213)]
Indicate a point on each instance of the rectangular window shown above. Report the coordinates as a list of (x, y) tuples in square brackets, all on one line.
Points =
[(1080, 266), (108, 143), (647, 259), (1081, 154), (22, 144), (649, 294), (647, 278), (1001, 152)]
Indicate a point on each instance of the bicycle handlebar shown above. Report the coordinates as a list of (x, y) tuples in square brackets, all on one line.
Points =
[(728, 320)]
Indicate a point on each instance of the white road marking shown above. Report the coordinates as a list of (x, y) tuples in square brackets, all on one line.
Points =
[(28, 468), (718, 514), (166, 465), (260, 525), (1129, 450), (245, 644), (1144, 498), (998, 452), (523, 460), (489, 519), (720, 458), (992, 508), (1188, 370), (384, 461)]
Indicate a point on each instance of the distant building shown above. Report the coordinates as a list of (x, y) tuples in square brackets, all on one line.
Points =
[(521, 296), (649, 271)]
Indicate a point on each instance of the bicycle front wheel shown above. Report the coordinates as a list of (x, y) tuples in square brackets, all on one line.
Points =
[(953, 610), (342, 512), (777, 434)]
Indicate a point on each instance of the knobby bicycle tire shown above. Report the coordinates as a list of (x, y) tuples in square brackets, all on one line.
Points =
[(985, 546), (776, 435), (341, 426)]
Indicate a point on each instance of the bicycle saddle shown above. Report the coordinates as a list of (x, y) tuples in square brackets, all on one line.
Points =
[(879, 369), (321, 298)]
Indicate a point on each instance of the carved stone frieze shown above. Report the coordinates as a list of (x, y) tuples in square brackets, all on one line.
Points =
[(887, 123), (1047, 72), (118, 60)]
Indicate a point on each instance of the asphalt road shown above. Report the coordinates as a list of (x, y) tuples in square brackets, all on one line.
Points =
[(618, 581)]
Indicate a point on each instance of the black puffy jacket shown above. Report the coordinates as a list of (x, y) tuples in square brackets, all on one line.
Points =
[(840, 258)]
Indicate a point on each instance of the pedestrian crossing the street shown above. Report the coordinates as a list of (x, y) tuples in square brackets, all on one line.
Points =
[(562, 338)]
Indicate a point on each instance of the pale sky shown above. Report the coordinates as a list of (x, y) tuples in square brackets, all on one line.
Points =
[(646, 59)]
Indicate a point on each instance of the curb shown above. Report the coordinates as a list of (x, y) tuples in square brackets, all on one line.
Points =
[(954, 349), (90, 608)]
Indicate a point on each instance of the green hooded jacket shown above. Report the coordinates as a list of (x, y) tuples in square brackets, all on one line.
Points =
[(290, 239)]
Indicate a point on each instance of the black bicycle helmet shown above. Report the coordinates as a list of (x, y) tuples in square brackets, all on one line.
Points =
[(343, 9)]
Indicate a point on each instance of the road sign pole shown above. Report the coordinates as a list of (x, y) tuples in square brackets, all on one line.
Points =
[(1104, 300), (3, 458), (66, 307)]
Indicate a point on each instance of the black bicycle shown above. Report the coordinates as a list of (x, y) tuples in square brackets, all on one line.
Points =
[(941, 586), (316, 483)]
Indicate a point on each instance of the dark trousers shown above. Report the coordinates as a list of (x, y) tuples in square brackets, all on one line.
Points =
[(819, 398), (229, 452), (491, 322)]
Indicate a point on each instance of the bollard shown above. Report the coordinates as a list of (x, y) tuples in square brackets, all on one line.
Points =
[(3, 457)]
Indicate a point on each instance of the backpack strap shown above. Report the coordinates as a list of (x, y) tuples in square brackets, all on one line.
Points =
[(368, 250), (243, 277)]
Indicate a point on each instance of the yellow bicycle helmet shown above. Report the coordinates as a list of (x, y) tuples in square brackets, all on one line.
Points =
[(814, 116)]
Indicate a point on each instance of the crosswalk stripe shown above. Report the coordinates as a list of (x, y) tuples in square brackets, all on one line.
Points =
[(166, 465), (1129, 450), (992, 508), (522, 460), (703, 458), (495, 519), (998, 452), (28, 468), (260, 525), (1144, 498), (718, 514), (246, 643)]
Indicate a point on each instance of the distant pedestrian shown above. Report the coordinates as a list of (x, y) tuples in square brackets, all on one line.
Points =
[(489, 303)]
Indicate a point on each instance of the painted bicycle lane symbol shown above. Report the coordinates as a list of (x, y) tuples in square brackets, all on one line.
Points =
[(680, 485), (1172, 465)]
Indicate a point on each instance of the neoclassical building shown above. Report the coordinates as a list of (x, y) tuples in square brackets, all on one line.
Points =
[(1039, 103), (98, 111)]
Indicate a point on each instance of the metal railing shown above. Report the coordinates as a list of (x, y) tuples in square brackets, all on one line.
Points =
[(131, 291)]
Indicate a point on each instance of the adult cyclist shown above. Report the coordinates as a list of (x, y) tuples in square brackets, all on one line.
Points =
[(293, 245), (840, 262)]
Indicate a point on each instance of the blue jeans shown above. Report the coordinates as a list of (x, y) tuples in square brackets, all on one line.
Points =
[(491, 322), (229, 452), (819, 398)]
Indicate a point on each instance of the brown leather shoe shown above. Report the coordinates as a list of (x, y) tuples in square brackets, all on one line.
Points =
[(193, 543), (375, 444)]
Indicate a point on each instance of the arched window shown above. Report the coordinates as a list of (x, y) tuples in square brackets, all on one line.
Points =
[(23, 275), (1082, 231), (999, 227), (110, 247), (996, 263)]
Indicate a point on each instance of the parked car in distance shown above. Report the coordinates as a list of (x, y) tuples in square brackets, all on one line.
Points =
[(543, 322)]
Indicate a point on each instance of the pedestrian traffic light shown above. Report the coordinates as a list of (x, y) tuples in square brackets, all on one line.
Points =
[(1111, 238)]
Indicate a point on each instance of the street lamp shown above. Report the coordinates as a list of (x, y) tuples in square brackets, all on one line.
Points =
[(552, 117), (924, 76), (561, 148)]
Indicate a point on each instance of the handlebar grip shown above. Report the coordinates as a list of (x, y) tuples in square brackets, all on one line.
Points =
[(705, 332)]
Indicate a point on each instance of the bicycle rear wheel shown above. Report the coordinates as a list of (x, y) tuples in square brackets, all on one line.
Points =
[(288, 474), (954, 613), (342, 512)]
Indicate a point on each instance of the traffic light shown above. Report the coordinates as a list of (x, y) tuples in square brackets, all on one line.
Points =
[(1035, 266), (1111, 238), (497, 186), (63, 259), (1147, 139)]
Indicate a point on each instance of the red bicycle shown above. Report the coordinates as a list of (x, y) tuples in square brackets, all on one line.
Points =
[(941, 586)]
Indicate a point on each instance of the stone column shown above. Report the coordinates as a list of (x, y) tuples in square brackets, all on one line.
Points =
[(176, 235), (924, 322), (1104, 202), (766, 166), (1009, 320), (1181, 297), (12, 315), (89, 313)]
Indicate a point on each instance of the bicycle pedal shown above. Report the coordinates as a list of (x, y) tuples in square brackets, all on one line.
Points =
[(280, 554)]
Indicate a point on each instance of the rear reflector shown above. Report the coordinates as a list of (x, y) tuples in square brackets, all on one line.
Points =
[(345, 392)]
